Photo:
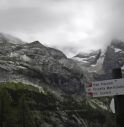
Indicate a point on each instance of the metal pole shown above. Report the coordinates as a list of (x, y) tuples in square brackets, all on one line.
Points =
[(119, 101)]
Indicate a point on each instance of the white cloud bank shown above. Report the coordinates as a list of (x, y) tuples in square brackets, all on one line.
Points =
[(70, 25)]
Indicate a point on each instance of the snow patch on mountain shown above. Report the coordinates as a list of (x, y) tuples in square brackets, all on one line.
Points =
[(87, 59), (25, 58), (93, 60), (118, 50)]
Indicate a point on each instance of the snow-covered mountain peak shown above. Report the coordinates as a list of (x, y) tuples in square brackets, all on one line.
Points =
[(89, 53), (88, 58)]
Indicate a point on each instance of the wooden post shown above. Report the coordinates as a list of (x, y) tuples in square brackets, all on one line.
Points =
[(119, 101)]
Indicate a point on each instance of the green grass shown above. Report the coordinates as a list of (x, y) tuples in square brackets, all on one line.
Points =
[(18, 86)]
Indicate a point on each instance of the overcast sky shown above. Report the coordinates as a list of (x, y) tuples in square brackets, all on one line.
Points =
[(69, 25)]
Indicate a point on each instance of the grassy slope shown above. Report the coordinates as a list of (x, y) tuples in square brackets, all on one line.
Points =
[(24, 104)]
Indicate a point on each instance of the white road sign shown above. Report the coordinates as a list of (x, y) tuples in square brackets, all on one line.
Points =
[(105, 88)]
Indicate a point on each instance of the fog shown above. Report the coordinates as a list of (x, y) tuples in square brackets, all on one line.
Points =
[(69, 25)]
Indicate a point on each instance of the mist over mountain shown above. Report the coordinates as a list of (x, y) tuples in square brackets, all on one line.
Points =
[(79, 25), (7, 38)]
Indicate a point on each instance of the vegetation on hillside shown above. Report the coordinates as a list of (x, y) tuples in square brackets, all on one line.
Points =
[(23, 105)]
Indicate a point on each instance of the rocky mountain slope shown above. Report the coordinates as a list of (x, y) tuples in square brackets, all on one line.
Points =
[(100, 63), (36, 64), (114, 56)]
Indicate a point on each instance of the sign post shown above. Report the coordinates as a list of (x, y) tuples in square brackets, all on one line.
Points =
[(119, 101), (104, 88), (113, 87)]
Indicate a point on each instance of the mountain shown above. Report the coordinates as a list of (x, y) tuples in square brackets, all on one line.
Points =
[(100, 63), (114, 56), (107, 60), (89, 58), (49, 86), (37, 64)]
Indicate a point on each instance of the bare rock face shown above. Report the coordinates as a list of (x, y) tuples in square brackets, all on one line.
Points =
[(36, 64), (114, 56)]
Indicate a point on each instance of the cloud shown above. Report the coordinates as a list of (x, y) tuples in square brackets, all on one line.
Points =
[(70, 25), (30, 19)]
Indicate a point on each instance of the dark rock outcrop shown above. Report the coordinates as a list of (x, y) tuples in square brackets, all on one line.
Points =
[(114, 56)]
